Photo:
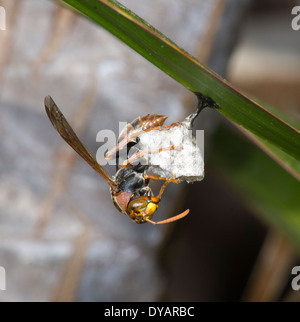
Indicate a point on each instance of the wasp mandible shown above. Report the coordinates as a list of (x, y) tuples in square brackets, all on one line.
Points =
[(129, 188)]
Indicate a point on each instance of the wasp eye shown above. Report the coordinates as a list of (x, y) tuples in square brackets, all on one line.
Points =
[(137, 205)]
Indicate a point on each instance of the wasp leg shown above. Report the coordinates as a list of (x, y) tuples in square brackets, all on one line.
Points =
[(157, 178), (163, 187), (128, 139), (155, 128), (158, 198), (125, 141), (166, 221), (162, 127), (138, 155), (120, 145)]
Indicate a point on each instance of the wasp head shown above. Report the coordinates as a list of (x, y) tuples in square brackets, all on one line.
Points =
[(141, 209)]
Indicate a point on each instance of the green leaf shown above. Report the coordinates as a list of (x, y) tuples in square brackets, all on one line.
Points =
[(184, 68), (266, 187)]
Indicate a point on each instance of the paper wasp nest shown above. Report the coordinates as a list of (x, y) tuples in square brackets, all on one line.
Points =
[(179, 155)]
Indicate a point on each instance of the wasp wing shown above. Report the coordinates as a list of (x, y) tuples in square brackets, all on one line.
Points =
[(65, 130)]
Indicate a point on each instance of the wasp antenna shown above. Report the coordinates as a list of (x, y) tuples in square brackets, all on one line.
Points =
[(166, 221)]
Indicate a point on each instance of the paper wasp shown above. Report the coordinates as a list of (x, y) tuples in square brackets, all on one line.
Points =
[(130, 191)]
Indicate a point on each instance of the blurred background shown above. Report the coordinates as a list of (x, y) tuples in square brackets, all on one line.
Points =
[(61, 238)]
